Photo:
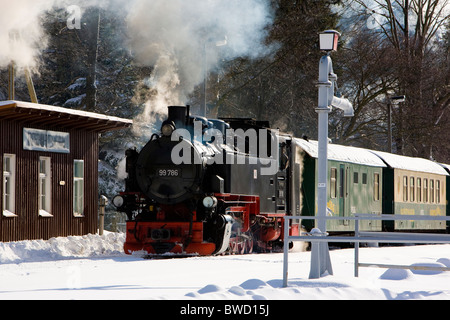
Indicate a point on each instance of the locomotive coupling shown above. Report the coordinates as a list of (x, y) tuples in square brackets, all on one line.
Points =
[(160, 234)]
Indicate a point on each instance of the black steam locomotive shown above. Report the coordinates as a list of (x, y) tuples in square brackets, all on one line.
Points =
[(206, 187)]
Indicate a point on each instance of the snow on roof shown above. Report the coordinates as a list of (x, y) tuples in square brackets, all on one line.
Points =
[(45, 114), (37, 106), (409, 163), (342, 153), (446, 166)]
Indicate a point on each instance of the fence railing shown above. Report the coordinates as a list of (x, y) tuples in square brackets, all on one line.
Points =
[(367, 237)]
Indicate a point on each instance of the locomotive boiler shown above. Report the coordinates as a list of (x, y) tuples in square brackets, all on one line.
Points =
[(205, 187)]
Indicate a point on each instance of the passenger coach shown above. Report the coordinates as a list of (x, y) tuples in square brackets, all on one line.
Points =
[(373, 182), (413, 186), (354, 185)]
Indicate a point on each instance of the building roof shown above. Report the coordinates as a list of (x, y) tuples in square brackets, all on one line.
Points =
[(413, 164), (342, 153), (45, 115)]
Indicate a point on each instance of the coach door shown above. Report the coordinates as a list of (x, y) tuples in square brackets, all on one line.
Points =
[(343, 192)]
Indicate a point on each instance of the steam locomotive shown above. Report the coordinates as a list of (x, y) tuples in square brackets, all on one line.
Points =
[(208, 187)]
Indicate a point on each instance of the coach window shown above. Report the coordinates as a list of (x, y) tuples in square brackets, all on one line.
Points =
[(405, 188), (412, 190), (355, 177), (438, 191), (44, 187), (419, 189), (78, 188), (376, 187), (9, 185), (333, 183), (431, 191), (425, 190)]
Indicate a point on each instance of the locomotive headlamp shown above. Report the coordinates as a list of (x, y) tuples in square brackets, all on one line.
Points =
[(329, 40), (118, 201), (167, 129), (210, 202)]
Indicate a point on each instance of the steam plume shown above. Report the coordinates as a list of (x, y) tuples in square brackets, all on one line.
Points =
[(169, 35), (172, 34), (21, 35)]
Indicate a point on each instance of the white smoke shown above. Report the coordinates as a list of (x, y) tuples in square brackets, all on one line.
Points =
[(21, 36), (168, 35), (171, 35)]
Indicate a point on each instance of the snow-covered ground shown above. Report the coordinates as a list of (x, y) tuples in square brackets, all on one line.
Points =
[(94, 267)]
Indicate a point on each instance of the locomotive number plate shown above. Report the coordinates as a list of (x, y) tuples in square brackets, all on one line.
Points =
[(168, 172)]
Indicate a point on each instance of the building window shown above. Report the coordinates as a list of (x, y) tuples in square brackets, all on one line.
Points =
[(9, 185), (425, 190), (376, 187), (412, 190), (419, 190), (44, 187), (78, 188)]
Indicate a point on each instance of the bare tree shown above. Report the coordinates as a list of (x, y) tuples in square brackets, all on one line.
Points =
[(281, 87), (413, 30)]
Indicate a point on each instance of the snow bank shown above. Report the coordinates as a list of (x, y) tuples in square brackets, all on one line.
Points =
[(95, 267), (61, 248)]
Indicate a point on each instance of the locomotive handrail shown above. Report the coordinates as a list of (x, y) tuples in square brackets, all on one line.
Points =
[(365, 237)]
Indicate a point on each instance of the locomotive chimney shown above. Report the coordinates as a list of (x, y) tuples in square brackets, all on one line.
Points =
[(179, 115)]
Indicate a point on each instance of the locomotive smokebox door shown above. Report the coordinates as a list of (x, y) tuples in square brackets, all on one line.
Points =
[(163, 180)]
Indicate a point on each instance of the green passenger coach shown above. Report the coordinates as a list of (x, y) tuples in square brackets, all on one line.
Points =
[(355, 178)]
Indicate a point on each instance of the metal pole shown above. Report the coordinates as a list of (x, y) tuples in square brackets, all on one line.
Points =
[(11, 76), (103, 203), (30, 85), (322, 170), (325, 89), (389, 127), (205, 79), (356, 248), (320, 256), (285, 253)]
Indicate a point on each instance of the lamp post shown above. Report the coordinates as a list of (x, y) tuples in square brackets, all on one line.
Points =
[(327, 81), (320, 259), (220, 43), (390, 102)]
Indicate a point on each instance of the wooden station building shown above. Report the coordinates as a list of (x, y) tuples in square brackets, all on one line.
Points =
[(49, 161)]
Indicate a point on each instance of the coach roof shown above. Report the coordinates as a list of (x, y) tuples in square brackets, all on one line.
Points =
[(342, 153), (409, 163)]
